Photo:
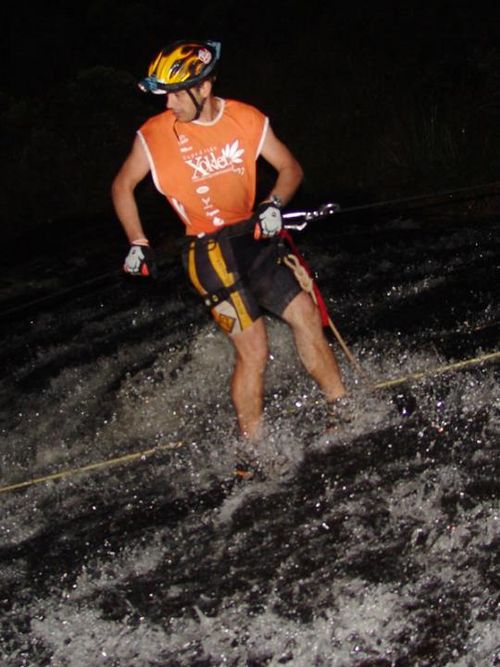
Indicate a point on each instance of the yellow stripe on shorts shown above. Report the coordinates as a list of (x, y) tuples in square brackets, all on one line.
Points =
[(227, 279), (192, 272)]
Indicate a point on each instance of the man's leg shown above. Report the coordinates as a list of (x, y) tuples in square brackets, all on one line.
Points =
[(247, 385), (304, 318)]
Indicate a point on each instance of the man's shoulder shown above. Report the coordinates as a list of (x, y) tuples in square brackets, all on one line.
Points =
[(243, 110), (238, 105), (163, 118)]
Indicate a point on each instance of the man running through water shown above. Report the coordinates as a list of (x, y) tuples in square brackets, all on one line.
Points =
[(202, 153)]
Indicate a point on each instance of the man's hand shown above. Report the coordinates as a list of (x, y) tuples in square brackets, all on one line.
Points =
[(140, 260), (268, 220)]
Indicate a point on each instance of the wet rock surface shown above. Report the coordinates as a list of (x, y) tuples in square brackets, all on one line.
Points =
[(373, 544)]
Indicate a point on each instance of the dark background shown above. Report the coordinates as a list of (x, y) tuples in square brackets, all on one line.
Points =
[(377, 100), (381, 545)]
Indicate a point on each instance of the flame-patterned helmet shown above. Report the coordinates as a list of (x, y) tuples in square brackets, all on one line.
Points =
[(181, 65)]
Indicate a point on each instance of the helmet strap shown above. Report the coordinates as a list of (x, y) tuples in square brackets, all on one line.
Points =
[(197, 105)]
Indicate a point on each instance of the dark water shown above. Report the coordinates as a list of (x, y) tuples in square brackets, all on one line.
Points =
[(375, 545)]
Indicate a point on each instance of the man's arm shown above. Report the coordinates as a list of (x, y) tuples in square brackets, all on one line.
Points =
[(132, 172), (290, 172)]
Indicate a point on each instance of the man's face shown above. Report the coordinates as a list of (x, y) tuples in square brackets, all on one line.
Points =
[(182, 105)]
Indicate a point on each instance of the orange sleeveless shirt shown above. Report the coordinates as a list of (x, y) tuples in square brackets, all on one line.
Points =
[(207, 171)]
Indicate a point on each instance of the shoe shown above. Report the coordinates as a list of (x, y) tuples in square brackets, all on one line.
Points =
[(247, 470)]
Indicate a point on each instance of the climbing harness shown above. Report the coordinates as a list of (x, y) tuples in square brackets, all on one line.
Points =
[(212, 299), (297, 220)]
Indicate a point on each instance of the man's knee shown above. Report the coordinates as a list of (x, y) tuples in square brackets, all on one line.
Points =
[(251, 345), (302, 311)]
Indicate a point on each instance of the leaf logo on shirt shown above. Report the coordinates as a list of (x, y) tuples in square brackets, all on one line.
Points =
[(233, 152)]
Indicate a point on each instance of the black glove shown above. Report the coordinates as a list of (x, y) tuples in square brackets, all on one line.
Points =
[(140, 261), (268, 220)]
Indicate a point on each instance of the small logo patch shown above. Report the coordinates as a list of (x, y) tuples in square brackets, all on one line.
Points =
[(225, 322), (205, 56)]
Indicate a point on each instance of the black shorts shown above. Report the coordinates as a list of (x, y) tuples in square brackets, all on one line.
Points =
[(239, 277)]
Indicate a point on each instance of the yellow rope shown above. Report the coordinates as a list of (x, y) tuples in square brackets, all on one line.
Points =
[(438, 370), (175, 445), (306, 283), (92, 466)]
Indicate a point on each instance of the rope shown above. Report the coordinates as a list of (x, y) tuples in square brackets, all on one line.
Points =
[(63, 292), (439, 370), (431, 195), (350, 209), (92, 466), (308, 285), (306, 282)]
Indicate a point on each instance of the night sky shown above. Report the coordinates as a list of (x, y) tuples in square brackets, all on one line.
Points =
[(50, 43), (375, 99)]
